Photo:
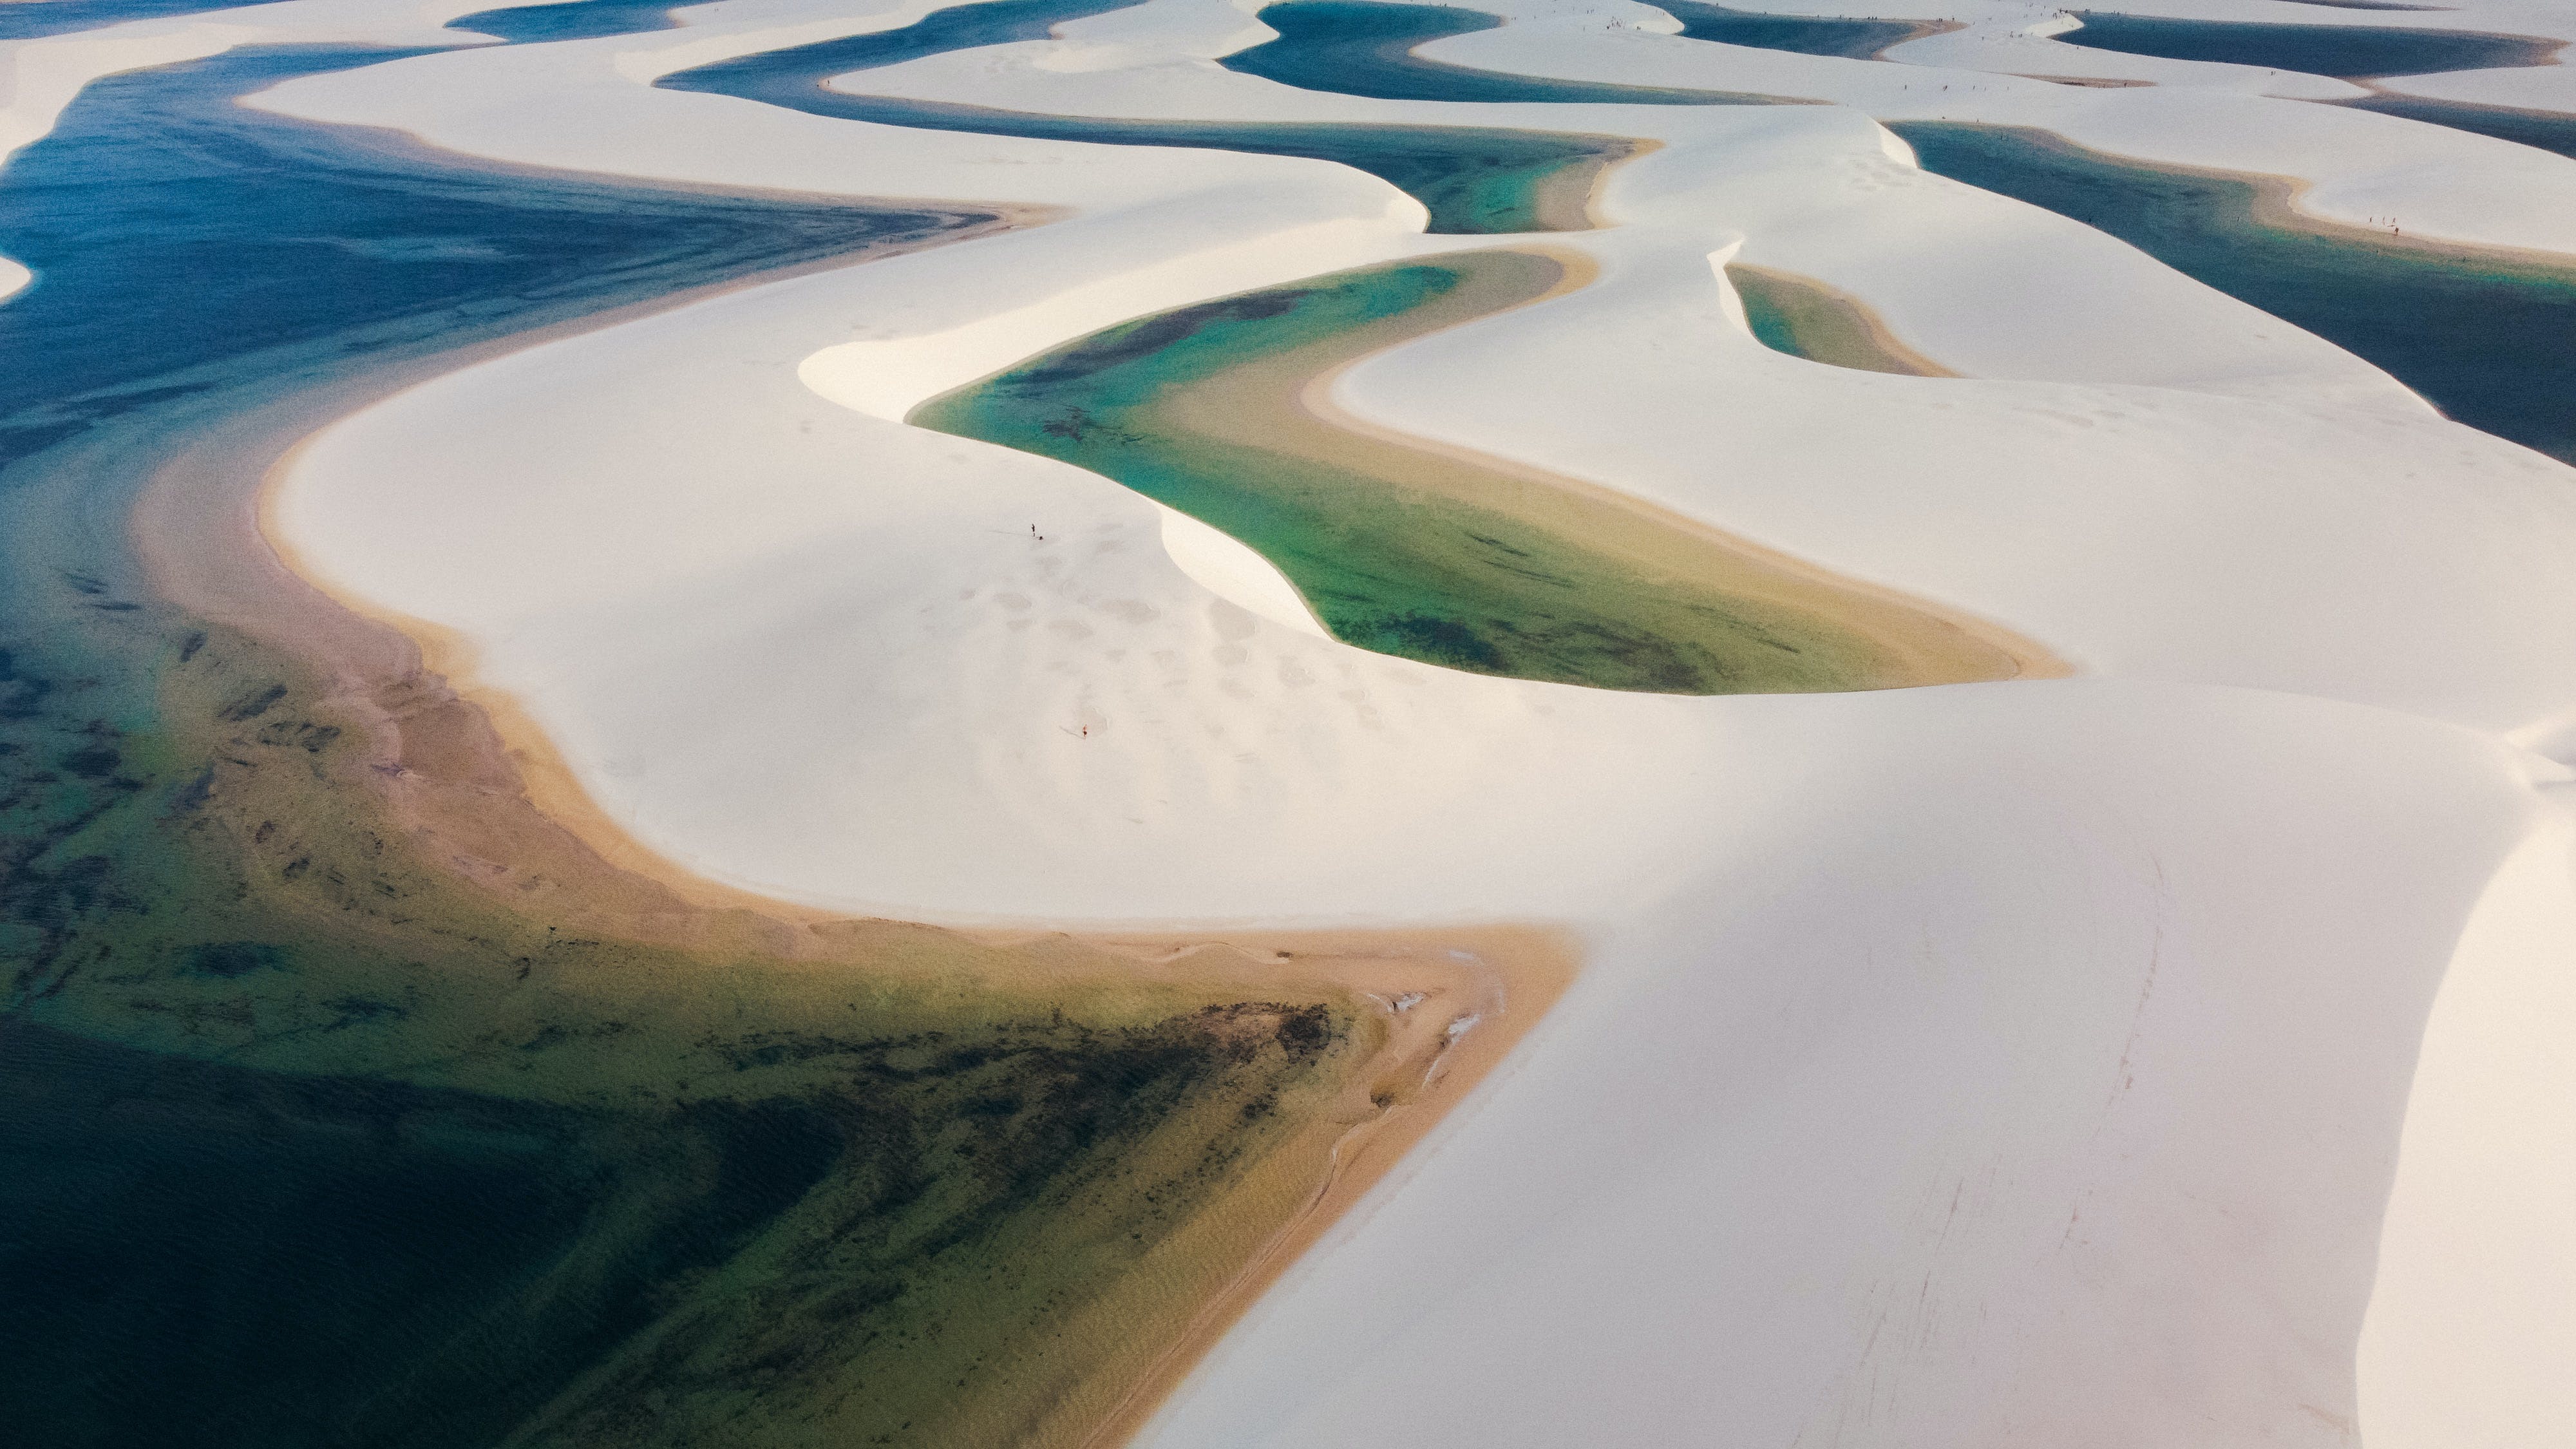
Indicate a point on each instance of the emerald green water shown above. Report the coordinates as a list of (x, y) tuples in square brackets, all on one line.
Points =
[(1414, 572), (1805, 319)]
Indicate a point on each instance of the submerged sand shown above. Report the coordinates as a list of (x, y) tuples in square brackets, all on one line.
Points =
[(1285, 403), (481, 793)]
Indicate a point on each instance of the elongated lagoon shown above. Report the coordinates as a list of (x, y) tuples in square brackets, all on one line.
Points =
[(1805, 318), (2539, 129), (1849, 37), (346, 1101), (1471, 179), (1359, 48), (2489, 338), (1441, 557), (2346, 52)]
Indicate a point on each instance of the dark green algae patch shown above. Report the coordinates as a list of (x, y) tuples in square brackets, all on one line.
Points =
[(320, 1128), (1421, 572), (303, 1141)]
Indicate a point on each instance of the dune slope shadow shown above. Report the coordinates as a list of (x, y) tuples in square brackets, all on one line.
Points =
[(1435, 554), (2487, 337)]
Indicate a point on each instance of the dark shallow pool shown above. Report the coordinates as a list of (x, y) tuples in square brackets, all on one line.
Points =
[(2346, 52), (1398, 549), (1847, 37), (2538, 129), (2488, 341)]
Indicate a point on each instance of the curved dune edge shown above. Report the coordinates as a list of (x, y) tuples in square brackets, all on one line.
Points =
[(476, 781), (1571, 199), (1928, 642)]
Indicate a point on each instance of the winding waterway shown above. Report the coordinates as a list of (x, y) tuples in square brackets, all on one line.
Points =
[(1470, 179), (1436, 556), (344, 1101)]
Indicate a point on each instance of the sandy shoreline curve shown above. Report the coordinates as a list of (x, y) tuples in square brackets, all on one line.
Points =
[(1935, 644), (486, 793)]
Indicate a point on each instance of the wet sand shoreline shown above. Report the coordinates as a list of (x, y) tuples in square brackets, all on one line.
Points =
[(482, 790), (1925, 643)]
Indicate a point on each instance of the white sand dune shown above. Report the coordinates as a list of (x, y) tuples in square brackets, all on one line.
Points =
[(2018, 1064)]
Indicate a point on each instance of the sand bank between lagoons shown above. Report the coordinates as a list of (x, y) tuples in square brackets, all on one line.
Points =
[(484, 791), (1285, 403), (1825, 324)]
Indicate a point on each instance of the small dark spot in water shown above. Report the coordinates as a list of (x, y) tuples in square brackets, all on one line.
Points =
[(1446, 641), (189, 646), (1072, 425), (116, 606), (314, 738), (1144, 339), (296, 868), (93, 763), (233, 959), (84, 583), (360, 1010), (252, 705)]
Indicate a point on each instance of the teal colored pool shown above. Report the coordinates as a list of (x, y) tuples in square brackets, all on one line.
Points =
[(1849, 38), (1471, 179), (1409, 552), (1356, 48)]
